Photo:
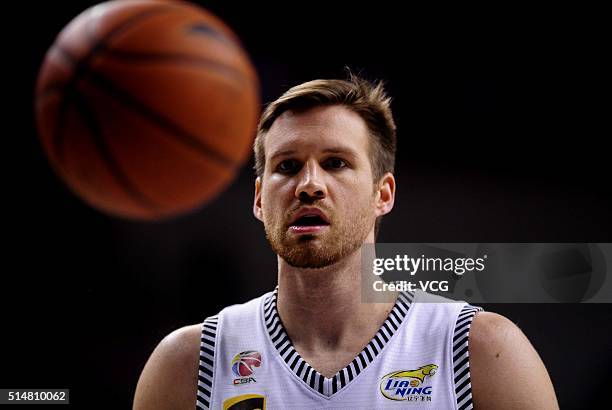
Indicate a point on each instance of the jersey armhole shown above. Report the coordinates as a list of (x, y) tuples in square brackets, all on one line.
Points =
[(461, 362), (207, 361)]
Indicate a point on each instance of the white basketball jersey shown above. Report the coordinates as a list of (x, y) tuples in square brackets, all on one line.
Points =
[(418, 360)]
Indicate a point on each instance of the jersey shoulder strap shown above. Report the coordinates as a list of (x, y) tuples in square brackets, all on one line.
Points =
[(461, 360), (244, 320), (453, 318)]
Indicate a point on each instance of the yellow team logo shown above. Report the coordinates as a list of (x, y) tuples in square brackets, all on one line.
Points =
[(408, 384), (245, 402)]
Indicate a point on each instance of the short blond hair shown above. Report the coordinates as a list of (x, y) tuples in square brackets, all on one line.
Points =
[(367, 99)]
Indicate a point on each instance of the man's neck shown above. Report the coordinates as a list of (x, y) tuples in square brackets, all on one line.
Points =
[(323, 314)]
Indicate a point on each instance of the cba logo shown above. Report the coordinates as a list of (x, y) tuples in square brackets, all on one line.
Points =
[(243, 366), (408, 384)]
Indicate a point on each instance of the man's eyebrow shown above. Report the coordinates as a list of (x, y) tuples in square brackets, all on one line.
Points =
[(339, 150), (282, 153), (330, 150)]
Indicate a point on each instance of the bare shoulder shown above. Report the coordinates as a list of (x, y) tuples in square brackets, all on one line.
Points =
[(506, 371), (169, 378)]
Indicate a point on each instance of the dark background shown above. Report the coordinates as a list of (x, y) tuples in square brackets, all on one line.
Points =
[(502, 138)]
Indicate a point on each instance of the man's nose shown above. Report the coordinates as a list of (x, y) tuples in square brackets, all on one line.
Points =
[(310, 185)]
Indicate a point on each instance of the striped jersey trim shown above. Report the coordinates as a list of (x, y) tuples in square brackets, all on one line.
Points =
[(207, 360), (307, 373), (461, 362)]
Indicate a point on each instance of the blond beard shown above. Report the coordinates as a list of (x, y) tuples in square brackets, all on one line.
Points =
[(310, 252)]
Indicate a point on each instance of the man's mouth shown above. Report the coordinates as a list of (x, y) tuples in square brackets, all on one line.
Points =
[(309, 222)]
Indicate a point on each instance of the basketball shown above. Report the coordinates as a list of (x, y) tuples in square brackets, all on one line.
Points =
[(147, 108)]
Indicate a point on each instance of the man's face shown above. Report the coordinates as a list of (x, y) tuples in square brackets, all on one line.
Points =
[(317, 198)]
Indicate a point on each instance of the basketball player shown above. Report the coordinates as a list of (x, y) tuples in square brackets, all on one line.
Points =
[(325, 154)]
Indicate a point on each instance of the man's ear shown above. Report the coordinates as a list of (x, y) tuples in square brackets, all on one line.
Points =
[(257, 200), (385, 194)]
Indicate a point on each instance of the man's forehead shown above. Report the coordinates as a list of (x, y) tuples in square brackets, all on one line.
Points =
[(328, 128), (324, 115)]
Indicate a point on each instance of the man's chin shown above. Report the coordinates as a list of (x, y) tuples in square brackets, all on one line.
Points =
[(308, 255), (308, 262)]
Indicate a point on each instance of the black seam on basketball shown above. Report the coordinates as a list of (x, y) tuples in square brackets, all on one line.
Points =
[(199, 27), (145, 57), (161, 121), (107, 156), (83, 65), (57, 138)]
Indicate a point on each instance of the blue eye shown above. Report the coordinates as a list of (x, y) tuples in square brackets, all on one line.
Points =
[(335, 163), (288, 166)]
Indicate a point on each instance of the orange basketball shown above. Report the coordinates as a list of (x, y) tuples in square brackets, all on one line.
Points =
[(147, 108)]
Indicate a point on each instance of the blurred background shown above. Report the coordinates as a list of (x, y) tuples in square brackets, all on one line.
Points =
[(501, 138)]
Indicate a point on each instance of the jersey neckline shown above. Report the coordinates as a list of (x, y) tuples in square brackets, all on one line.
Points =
[(311, 377)]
